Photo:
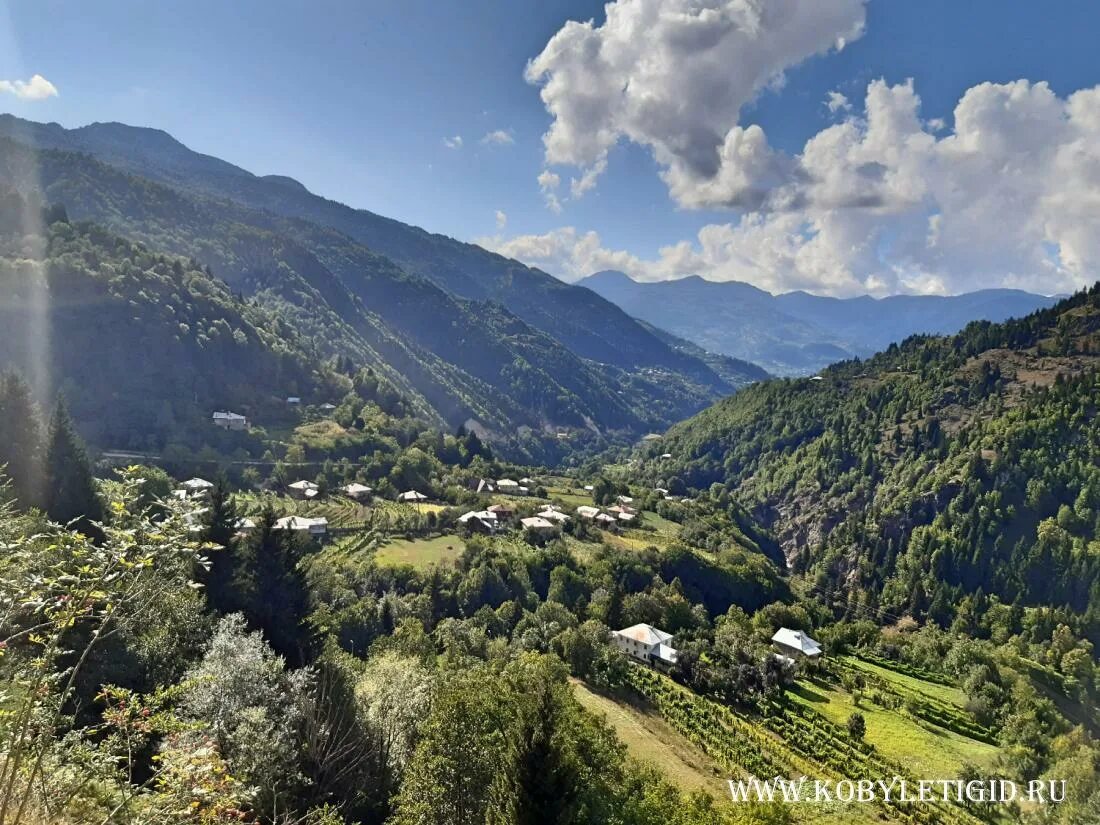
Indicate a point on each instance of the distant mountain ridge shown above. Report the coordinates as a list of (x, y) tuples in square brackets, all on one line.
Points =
[(798, 333), (477, 338)]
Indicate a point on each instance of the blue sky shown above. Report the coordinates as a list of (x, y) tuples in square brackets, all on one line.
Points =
[(358, 100)]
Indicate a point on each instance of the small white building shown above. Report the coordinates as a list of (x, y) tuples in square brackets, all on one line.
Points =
[(646, 643), (316, 527), (357, 491), (412, 496), (230, 421), (606, 519), (795, 644), (196, 487), (303, 489), (293, 400), (507, 485), (587, 512)]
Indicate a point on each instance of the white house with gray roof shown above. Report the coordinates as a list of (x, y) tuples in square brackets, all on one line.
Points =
[(646, 643)]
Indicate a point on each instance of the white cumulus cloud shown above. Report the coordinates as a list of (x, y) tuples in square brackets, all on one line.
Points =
[(673, 75), (880, 204), (502, 219), (454, 142), (1004, 193), (37, 88)]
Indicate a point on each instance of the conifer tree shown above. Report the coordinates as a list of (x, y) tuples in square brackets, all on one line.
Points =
[(20, 440), (276, 598), (221, 529), (70, 492)]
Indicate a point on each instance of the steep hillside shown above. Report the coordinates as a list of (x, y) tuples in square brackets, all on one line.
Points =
[(942, 467), (588, 325), (798, 333), (143, 346), (471, 362)]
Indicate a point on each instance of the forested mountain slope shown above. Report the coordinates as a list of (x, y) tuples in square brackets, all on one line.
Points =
[(939, 478), (468, 361), (141, 344), (590, 326)]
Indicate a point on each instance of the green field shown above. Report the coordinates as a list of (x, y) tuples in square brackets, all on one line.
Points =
[(421, 553), (925, 749), (911, 684)]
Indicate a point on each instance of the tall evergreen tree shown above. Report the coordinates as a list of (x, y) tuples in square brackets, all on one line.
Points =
[(221, 529), (20, 440), (70, 492), (276, 598)]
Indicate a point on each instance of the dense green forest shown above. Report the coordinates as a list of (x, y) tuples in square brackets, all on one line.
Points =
[(950, 479)]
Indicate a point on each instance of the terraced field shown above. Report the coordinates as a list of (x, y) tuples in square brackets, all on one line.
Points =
[(794, 738)]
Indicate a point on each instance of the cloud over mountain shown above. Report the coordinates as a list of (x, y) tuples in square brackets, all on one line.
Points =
[(37, 88), (880, 201)]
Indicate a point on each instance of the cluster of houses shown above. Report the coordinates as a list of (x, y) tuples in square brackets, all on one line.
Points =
[(653, 646), (317, 527), (308, 490), (495, 517), (622, 512), (504, 486)]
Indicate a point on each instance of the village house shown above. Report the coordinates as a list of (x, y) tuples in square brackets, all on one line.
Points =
[(244, 526), (507, 486), (196, 487), (606, 520), (795, 644), (303, 489), (482, 485), (412, 497), (479, 521), (502, 511), (550, 514), (539, 525), (587, 512), (357, 491), (230, 421), (316, 527), (646, 644)]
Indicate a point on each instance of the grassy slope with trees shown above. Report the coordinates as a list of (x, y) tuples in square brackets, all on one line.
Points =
[(953, 480)]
